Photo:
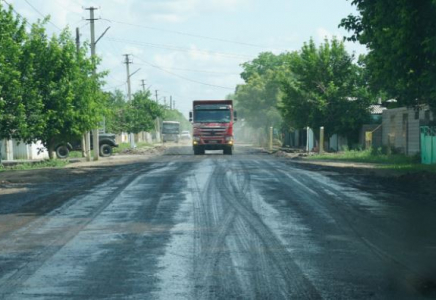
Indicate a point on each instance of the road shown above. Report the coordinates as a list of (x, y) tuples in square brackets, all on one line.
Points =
[(247, 226)]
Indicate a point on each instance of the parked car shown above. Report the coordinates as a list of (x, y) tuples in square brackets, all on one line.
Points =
[(185, 135), (106, 144)]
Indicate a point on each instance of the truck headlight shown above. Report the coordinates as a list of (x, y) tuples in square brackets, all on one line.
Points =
[(229, 138), (196, 138)]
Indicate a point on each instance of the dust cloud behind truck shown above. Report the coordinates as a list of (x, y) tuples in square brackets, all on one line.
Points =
[(212, 122)]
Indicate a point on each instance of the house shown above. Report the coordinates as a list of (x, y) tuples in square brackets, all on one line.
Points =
[(401, 128)]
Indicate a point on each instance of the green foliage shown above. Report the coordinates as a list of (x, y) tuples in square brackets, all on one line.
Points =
[(175, 115), (115, 114), (12, 107), (256, 101), (367, 156), (326, 89), (401, 37), (48, 89), (141, 113)]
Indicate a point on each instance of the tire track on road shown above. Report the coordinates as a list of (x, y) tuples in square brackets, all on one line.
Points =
[(9, 283), (275, 275)]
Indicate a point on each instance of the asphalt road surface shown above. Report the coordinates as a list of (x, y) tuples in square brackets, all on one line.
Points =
[(246, 226)]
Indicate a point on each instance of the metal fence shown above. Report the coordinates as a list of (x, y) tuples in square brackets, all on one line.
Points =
[(428, 145)]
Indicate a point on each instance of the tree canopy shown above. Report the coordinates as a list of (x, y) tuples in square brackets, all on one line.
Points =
[(326, 89), (401, 37), (48, 88), (257, 99)]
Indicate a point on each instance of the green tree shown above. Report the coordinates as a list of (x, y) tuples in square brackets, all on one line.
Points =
[(326, 89), (257, 99), (401, 37), (63, 80), (141, 113), (115, 114), (13, 123)]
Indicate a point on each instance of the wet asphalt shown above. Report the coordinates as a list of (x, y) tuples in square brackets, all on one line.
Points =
[(246, 226)]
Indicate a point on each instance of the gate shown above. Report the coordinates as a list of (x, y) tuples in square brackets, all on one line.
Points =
[(428, 145)]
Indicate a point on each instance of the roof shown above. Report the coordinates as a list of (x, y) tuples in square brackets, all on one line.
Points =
[(376, 109)]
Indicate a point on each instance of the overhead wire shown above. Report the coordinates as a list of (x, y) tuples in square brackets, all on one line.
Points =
[(178, 48), (189, 34), (57, 27), (182, 77)]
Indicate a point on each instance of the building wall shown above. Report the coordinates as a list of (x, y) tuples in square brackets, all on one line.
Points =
[(401, 128)]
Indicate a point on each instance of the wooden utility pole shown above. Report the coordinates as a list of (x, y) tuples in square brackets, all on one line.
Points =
[(143, 84)]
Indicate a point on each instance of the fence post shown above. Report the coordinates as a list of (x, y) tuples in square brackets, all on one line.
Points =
[(321, 139)]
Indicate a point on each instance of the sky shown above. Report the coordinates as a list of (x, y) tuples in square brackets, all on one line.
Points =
[(190, 49)]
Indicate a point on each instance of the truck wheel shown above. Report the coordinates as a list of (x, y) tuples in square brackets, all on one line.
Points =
[(228, 151), (62, 151), (105, 150)]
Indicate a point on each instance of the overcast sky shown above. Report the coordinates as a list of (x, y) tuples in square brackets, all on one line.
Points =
[(191, 49)]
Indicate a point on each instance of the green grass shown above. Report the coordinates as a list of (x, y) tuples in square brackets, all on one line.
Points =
[(398, 162), (366, 156), (75, 154), (56, 163)]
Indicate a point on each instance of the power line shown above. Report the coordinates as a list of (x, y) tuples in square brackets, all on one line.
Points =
[(42, 15), (183, 77), (189, 34), (178, 48)]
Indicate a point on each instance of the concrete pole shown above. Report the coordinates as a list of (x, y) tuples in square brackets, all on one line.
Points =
[(321, 140), (95, 139), (129, 96), (270, 139)]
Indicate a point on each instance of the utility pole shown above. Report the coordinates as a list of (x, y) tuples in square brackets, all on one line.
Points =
[(171, 102), (77, 40), (129, 94), (83, 145), (95, 139), (143, 84), (157, 125)]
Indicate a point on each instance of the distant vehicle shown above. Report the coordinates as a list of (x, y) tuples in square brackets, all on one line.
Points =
[(106, 144), (185, 135), (170, 131), (213, 126)]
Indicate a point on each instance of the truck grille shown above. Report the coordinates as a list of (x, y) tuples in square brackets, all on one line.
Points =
[(207, 131)]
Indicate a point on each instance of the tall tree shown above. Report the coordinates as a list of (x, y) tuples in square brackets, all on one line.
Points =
[(257, 99), (326, 89), (115, 114), (12, 107), (142, 112), (401, 37), (63, 80)]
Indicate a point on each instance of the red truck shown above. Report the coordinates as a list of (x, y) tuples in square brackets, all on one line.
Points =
[(212, 125)]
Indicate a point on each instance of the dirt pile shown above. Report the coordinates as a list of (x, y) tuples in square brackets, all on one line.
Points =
[(142, 151)]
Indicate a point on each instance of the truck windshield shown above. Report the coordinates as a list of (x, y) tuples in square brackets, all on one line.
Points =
[(211, 116), (170, 128)]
